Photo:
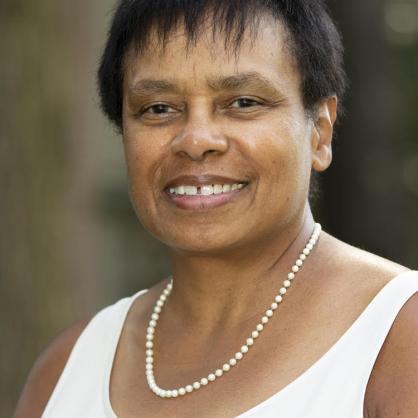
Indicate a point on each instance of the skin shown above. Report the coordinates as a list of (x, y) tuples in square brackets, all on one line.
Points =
[(229, 260)]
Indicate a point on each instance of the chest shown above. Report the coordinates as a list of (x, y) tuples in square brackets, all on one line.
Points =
[(279, 359)]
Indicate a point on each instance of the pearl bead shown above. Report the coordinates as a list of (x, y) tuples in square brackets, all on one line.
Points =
[(149, 360)]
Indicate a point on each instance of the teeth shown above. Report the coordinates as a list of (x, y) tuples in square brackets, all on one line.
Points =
[(180, 190), (217, 189), (190, 190), (206, 190)]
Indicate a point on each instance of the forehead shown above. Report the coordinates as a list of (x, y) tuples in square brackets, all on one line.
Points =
[(178, 59)]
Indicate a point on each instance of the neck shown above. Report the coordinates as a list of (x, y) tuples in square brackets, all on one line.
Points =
[(230, 289)]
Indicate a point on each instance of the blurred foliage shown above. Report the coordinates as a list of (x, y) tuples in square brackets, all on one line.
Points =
[(70, 243)]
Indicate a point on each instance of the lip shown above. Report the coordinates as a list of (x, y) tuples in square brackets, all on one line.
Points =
[(202, 180)]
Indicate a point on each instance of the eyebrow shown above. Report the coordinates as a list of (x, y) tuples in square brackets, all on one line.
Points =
[(252, 80), (148, 87)]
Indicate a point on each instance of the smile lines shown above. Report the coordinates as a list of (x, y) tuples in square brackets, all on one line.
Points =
[(206, 190)]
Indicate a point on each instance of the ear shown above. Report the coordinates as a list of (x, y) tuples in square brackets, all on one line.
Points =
[(325, 116)]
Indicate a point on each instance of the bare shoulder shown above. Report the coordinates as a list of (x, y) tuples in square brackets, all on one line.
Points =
[(393, 384), (46, 372), (359, 267), (392, 389)]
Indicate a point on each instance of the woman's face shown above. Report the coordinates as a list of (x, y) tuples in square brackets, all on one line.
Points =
[(218, 146)]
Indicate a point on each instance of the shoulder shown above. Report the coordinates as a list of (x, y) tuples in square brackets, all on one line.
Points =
[(393, 385), (392, 389), (46, 372), (350, 260), (355, 272)]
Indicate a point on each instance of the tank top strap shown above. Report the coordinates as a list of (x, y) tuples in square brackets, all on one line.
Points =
[(366, 336), (335, 385), (353, 357), (77, 392)]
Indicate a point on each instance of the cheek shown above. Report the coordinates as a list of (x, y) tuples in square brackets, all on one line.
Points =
[(278, 150), (143, 155), (281, 153)]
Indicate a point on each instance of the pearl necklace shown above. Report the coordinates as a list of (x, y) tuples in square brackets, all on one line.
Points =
[(149, 360)]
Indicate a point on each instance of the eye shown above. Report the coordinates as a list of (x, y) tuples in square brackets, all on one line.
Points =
[(244, 102), (158, 109)]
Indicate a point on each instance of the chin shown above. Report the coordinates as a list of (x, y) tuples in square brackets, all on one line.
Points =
[(210, 242)]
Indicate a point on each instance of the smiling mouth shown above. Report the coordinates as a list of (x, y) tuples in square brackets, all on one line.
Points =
[(203, 197), (205, 190)]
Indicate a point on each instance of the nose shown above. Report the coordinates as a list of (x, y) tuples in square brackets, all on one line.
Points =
[(197, 140)]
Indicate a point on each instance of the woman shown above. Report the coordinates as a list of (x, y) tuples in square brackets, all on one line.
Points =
[(225, 109)]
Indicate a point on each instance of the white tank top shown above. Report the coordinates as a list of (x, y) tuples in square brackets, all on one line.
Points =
[(334, 386)]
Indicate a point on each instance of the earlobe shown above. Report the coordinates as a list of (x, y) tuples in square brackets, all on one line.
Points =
[(325, 117)]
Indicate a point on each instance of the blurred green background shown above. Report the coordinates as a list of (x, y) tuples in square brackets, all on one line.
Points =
[(69, 241)]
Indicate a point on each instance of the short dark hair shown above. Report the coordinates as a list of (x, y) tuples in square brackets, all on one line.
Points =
[(316, 42)]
